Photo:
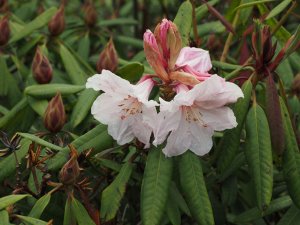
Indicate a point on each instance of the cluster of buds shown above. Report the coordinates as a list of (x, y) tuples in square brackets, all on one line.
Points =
[(90, 14), (41, 68), (264, 51), (108, 58), (70, 172), (5, 31), (57, 23), (55, 116)]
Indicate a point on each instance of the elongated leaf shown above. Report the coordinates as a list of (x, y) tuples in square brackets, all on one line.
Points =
[(84, 47), (97, 138), (80, 213), (254, 213), (40, 206), (291, 217), (117, 21), (173, 211), (41, 141), (131, 72), (202, 10), (252, 3), (8, 164), (291, 157), (31, 221), (113, 194), (155, 187), (178, 199), (72, 67), (4, 218), (183, 20), (129, 41), (194, 189), (10, 199), (274, 116), (259, 155), (278, 9), (83, 106), (38, 105), (4, 82), (69, 217), (50, 90), (37, 23), (238, 161), (231, 140)]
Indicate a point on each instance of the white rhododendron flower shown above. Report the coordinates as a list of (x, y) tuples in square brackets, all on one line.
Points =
[(124, 107), (193, 115)]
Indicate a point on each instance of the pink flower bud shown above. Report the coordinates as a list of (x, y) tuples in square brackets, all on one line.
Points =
[(169, 41), (154, 56), (55, 116), (57, 23), (41, 68), (4, 31), (108, 58)]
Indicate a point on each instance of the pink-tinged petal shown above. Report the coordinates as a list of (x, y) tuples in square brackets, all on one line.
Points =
[(178, 141), (184, 78), (121, 130), (219, 118), (109, 83), (142, 132), (185, 98), (216, 92), (201, 143), (196, 59), (105, 109), (142, 90)]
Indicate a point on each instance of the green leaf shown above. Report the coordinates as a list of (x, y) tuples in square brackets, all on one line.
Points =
[(10, 199), (259, 155), (230, 142), (84, 47), (183, 20), (173, 211), (69, 217), (131, 72), (178, 199), (125, 40), (50, 90), (31, 221), (291, 157), (254, 213), (202, 10), (83, 106), (37, 23), (291, 217), (117, 21), (236, 164), (278, 9), (4, 217), (72, 67), (113, 194), (80, 213), (155, 187), (97, 138), (8, 164), (253, 3), (38, 105), (41, 141), (194, 189), (40, 206), (4, 82)]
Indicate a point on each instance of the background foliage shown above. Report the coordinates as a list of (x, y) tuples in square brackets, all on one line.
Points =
[(252, 175)]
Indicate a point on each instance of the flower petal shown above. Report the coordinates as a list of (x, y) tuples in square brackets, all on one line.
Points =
[(121, 131)]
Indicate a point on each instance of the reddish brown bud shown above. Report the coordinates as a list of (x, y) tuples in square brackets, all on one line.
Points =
[(4, 31), (55, 115), (71, 170), (3, 6), (41, 68), (90, 14), (57, 23), (296, 85), (108, 58)]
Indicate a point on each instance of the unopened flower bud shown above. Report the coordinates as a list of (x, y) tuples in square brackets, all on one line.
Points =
[(41, 68), (57, 23), (90, 14), (108, 58), (55, 115), (71, 170), (169, 40), (296, 85), (3, 6), (4, 30)]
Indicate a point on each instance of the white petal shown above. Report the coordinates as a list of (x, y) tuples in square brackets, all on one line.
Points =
[(109, 83), (216, 92), (143, 89), (121, 130), (142, 132), (196, 58), (105, 109), (201, 141), (219, 118)]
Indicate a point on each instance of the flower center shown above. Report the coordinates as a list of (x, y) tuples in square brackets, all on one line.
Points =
[(193, 115), (129, 107)]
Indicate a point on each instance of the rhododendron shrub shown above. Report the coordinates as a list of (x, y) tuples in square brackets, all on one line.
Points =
[(149, 112)]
